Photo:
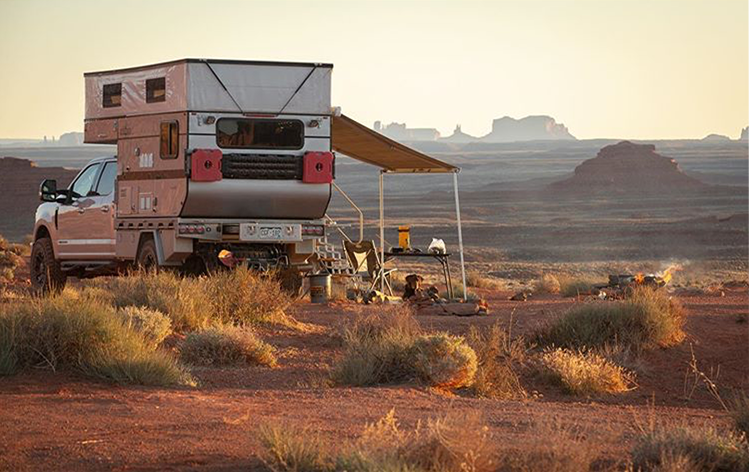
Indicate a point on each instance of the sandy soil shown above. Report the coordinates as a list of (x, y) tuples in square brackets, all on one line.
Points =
[(57, 421)]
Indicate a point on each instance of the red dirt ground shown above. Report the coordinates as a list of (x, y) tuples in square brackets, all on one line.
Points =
[(56, 421)]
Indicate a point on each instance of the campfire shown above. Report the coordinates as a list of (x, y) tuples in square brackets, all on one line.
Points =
[(620, 285)]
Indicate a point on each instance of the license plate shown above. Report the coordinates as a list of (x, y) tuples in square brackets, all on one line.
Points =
[(270, 232), (261, 232)]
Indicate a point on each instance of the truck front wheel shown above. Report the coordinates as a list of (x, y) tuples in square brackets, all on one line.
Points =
[(46, 274), (147, 258)]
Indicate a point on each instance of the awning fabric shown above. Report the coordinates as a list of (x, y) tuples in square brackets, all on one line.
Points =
[(363, 144)]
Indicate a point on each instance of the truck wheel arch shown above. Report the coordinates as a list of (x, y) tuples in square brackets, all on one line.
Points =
[(156, 239)]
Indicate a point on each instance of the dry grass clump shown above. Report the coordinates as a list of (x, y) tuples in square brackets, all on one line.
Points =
[(704, 449), (152, 324), (10, 259), (442, 360), (243, 296), (68, 331), (389, 347), (739, 409), (227, 345), (574, 286), (498, 358), (238, 296), (584, 373), (552, 447), (476, 279), (548, 283), (646, 319), (184, 300), (450, 443)]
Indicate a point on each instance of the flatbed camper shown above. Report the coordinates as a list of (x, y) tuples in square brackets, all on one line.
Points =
[(212, 157)]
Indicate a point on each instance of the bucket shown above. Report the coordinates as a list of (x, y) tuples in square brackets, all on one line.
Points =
[(319, 288)]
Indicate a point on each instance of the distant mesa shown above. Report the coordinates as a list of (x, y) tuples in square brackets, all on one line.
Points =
[(459, 136), (504, 130), (744, 134), (70, 139), (716, 138), (628, 168), (400, 132), (530, 128)]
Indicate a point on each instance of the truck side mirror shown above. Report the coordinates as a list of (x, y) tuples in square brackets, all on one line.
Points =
[(48, 190)]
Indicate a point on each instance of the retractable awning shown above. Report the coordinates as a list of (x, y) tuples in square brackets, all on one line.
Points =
[(363, 144)]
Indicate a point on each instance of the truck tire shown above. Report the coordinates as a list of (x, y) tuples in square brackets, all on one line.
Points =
[(147, 258), (46, 274)]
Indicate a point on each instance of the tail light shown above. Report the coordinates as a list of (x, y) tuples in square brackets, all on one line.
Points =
[(313, 230), (206, 165)]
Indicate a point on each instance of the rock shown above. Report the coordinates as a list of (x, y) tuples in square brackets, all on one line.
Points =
[(744, 134), (530, 128), (628, 168)]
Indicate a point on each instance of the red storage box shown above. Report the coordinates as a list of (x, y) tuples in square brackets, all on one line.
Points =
[(318, 168), (206, 165)]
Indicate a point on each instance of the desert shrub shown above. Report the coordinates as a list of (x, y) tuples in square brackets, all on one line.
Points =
[(152, 324), (498, 358), (182, 299), (242, 296), (10, 259), (376, 348), (551, 447), (442, 360), (739, 409), (226, 345), (584, 373), (548, 283), (648, 318), (458, 294), (292, 449), (476, 279), (68, 331), (238, 296), (450, 443), (389, 347), (574, 286), (703, 448)]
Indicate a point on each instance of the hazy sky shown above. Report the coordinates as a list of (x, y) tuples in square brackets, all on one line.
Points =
[(605, 68)]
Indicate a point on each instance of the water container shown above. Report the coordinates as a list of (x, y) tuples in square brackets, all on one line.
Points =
[(319, 288)]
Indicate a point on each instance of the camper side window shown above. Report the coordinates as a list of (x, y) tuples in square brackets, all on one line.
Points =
[(169, 139), (155, 90), (112, 95)]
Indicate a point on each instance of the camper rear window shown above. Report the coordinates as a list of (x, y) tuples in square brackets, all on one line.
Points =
[(259, 133), (112, 95)]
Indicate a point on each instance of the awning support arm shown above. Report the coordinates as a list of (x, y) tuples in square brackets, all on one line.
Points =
[(460, 236), (382, 232)]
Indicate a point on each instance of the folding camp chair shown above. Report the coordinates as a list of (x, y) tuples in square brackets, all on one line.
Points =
[(365, 260)]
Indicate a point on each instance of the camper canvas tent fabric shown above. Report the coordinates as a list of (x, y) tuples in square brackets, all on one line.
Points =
[(357, 141)]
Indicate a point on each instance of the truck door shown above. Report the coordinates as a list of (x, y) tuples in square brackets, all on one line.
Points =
[(73, 232), (100, 215)]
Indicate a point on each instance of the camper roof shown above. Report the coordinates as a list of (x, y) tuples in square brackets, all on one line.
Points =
[(211, 61)]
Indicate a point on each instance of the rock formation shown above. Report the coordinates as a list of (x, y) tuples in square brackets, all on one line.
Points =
[(19, 180), (628, 168), (716, 138), (530, 128), (459, 136), (744, 134)]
